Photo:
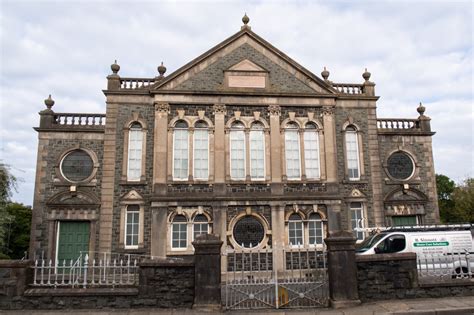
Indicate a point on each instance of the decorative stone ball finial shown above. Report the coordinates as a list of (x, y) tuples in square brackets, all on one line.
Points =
[(49, 102), (161, 69), (325, 74), (245, 19), (421, 109), (115, 67), (366, 75)]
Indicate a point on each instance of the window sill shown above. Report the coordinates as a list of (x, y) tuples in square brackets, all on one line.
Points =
[(355, 181), (133, 183)]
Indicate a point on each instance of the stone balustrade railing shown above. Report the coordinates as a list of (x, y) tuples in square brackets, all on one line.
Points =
[(79, 120), (397, 123), (348, 88), (135, 83)]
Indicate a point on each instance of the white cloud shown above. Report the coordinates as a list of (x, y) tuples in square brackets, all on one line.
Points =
[(415, 50)]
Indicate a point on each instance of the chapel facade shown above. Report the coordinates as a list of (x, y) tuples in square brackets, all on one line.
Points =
[(242, 142)]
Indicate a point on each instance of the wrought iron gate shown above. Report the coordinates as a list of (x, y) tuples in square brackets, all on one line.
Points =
[(252, 280)]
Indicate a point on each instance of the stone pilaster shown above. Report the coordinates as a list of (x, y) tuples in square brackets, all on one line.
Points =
[(160, 148), (108, 179), (278, 236), (275, 144), (219, 147), (329, 125), (159, 232)]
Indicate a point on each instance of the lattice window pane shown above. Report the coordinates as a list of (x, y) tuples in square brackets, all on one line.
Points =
[(292, 154), (352, 152), (237, 158), (311, 154), (180, 154), (295, 231), (257, 154), (179, 237), (357, 219), (135, 146), (315, 229), (132, 226), (201, 154)]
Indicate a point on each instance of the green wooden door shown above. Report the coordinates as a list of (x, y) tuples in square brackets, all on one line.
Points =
[(73, 239), (404, 220)]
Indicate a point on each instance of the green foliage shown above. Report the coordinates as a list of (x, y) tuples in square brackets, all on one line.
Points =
[(463, 197), (7, 185), (456, 202), (445, 187), (17, 230)]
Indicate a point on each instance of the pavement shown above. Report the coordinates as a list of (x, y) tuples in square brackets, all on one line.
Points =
[(435, 306)]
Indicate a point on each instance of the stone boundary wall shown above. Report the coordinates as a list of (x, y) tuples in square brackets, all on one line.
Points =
[(163, 284), (389, 276)]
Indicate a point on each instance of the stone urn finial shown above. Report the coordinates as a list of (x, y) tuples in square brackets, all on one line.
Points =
[(325, 74), (421, 109), (115, 67), (49, 102), (245, 19), (366, 75), (161, 69)]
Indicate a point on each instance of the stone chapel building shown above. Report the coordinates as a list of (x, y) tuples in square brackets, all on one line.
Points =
[(242, 142)]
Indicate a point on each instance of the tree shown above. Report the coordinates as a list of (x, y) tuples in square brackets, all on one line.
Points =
[(445, 187), (463, 197), (7, 185), (17, 230)]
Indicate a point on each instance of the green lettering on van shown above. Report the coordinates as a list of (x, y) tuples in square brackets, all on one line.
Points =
[(430, 244)]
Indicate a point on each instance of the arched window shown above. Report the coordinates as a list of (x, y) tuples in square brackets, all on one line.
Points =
[(311, 151), (295, 230), (135, 147), (180, 151), (200, 225), (201, 151), (132, 224), (357, 219), (352, 153), (179, 233), (257, 151), (292, 151), (315, 229), (237, 151)]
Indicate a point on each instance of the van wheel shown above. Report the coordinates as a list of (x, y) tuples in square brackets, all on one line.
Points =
[(461, 273)]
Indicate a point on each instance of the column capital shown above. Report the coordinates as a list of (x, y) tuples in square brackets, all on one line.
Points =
[(162, 108), (274, 110), (219, 109), (328, 110)]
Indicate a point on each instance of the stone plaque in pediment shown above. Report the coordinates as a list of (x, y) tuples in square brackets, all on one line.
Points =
[(132, 195)]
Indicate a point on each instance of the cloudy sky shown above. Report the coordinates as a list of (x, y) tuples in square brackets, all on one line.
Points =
[(415, 50)]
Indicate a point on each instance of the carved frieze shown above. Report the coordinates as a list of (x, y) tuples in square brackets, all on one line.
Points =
[(162, 108), (274, 110), (219, 109)]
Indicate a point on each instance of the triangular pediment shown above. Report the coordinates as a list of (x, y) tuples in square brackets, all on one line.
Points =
[(132, 195), (246, 65), (244, 52), (356, 193)]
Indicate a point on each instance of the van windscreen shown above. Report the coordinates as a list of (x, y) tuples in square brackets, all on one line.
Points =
[(369, 242)]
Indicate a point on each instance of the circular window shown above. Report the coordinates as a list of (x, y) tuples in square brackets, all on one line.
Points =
[(400, 165), (77, 166), (248, 232)]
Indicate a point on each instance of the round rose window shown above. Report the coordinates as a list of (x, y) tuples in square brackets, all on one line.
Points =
[(248, 232), (77, 166), (400, 166)]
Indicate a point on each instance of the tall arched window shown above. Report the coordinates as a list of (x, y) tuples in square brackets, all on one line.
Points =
[(135, 145), (311, 151), (200, 225), (315, 229), (201, 151), (179, 232), (237, 151), (257, 151), (295, 230), (352, 153), (180, 151), (292, 151)]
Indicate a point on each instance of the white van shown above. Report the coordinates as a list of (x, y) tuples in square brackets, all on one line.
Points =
[(438, 244)]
